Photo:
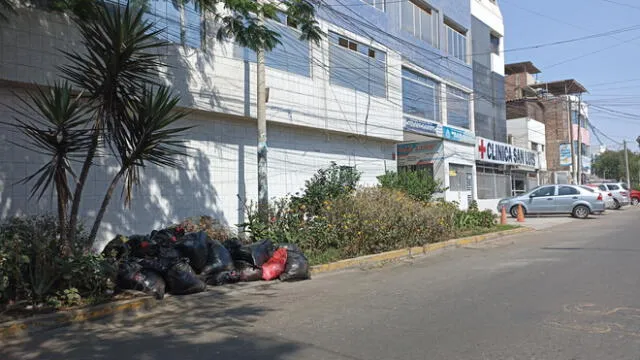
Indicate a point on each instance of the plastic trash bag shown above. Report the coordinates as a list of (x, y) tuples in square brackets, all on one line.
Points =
[(248, 272), (116, 248), (256, 254), (290, 246), (218, 260), (275, 266), (182, 280), (132, 276), (154, 283), (165, 237), (223, 277), (141, 246), (193, 246), (296, 268)]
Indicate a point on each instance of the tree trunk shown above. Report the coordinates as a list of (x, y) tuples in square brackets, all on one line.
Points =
[(105, 204), (62, 218), (77, 195)]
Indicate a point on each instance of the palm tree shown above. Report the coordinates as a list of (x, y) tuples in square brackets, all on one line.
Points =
[(119, 60), (148, 136), (58, 132), (6, 8)]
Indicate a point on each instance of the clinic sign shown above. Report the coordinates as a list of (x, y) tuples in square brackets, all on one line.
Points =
[(506, 154), (435, 129)]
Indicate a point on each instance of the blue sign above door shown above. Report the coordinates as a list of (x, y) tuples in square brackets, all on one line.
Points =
[(432, 128)]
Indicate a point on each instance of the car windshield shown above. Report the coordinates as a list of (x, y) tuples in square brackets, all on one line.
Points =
[(588, 188), (624, 186)]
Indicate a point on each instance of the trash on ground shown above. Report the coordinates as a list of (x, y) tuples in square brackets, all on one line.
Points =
[(193, 246), (296, 268), (275, 266), (182, 280), (172, 261)]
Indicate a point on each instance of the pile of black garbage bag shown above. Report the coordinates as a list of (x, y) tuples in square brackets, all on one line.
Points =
[(172, 261)]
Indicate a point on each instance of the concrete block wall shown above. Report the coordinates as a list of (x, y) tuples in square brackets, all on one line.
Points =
[(222, 166), (311, 123)]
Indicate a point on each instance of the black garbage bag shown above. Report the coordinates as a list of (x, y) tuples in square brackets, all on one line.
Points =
[(218, 260), (164, 237), (223, 277), (141, 246), (194, 247), (132, 276), (248, 272), (232, 245), (182, 280), (116, 248), (256, 254), (290, 246), (296, 267), (154, 283)]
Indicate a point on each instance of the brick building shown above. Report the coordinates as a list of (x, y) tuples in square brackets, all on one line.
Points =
[(558, 106)]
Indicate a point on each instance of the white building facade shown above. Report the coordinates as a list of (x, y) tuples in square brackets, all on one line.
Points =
[(349, 100)]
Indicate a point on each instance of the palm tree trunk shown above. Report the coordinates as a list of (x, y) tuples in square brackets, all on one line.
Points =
[(77, 195), (105, 204), (62, 218)]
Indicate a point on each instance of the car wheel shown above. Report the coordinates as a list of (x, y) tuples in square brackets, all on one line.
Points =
[(635, 201), (616, 205), (514, 211), (581, 212)]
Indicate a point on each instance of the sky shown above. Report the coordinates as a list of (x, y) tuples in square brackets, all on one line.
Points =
[(608, 66)]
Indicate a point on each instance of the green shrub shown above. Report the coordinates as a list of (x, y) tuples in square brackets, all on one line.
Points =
[(327, 184), (474, 219), (419, 185), (35, 266)]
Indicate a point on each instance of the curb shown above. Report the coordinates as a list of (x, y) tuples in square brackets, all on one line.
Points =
[(411, 252), (36, 324), (42, 323)]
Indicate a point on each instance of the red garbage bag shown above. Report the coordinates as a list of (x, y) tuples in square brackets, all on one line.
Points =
[(275, 266)]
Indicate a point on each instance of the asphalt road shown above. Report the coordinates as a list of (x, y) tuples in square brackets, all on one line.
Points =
[(568, 292)]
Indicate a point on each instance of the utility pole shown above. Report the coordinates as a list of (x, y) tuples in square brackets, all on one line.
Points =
[(626, 163), (579, 118), (571, 137), (263, 186)]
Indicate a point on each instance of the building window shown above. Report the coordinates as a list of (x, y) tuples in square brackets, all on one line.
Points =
[(420, 96), (458, 108), (378, 4), (460, 177), (179, 24), (456, 42), (357, 66), (420, 21), (495, 44), (291, 55)]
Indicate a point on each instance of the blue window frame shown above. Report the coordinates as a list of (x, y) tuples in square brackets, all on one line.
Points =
[(291, 55), (357, 66), (420, 96)]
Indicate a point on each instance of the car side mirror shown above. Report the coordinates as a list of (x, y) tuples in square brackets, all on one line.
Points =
[(532, 196)]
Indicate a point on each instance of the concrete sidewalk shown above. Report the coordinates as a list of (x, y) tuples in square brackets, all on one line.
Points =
[(543, 222)]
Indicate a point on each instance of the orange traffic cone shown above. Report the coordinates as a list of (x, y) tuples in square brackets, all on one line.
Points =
[(520, 214), (503, 216)]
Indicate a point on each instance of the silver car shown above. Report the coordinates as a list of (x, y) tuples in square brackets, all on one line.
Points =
[(556, 199), (620, 193)]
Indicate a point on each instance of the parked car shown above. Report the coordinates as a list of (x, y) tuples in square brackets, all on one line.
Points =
[(576, 200), (635, 197), (609, 202), (620, 193)]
